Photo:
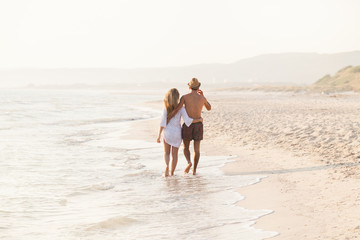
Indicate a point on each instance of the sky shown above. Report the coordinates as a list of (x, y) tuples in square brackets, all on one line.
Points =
[(161, 33)]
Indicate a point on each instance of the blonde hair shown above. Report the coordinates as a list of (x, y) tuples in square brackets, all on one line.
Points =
[(171, 100)]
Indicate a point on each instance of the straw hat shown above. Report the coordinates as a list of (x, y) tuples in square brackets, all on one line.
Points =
[(194, 83)]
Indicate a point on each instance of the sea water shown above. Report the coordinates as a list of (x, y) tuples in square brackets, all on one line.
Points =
[(68, 171)]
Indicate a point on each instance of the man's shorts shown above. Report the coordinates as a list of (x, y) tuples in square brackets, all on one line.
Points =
[(193, 132)]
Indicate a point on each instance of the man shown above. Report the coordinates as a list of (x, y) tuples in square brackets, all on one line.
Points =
[(194, 102)]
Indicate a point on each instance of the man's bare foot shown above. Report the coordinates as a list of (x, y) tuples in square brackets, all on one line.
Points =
[(194, 172), (166, 172), (187, 169)]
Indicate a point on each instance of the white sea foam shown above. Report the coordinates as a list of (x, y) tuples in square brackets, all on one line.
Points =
[(63, 179), (111, 223)]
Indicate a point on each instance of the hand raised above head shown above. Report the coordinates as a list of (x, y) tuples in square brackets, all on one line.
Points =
[(200, 92)]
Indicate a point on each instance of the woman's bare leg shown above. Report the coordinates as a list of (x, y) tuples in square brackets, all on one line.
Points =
[(167, 148), (174, 153)]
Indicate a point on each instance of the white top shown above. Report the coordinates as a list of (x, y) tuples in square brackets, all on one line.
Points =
[(172, 131)]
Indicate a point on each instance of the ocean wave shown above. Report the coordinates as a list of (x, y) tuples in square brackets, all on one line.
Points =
[(140, 173), (98, 121), (102, 186), (112, 223), (95, 187)]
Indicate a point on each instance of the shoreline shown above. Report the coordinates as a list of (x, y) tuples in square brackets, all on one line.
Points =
[(147, 129), (312, 197)]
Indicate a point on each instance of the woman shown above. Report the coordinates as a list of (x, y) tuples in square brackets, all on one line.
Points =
[(172, 130)]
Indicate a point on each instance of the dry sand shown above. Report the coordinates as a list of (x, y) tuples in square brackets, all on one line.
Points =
[(307, 145)]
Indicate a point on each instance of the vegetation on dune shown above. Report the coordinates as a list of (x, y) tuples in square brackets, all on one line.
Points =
[(346, 79)]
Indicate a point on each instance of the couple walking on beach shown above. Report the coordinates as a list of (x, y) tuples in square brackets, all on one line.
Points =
[(189, 109)]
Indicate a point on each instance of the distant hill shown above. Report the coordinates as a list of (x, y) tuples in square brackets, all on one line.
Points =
[(346, 79), (268, 69), (293, 68)]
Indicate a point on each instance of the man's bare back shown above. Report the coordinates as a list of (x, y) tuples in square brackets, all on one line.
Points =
[(194, 103)]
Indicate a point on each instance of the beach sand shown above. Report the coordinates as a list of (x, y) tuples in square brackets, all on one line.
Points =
[(307, 145)]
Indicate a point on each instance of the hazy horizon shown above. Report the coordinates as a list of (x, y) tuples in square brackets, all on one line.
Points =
[(174, 66), (273, 69), (142, 34)]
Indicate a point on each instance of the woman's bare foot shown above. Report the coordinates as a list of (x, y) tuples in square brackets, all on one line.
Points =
[(187, 169), (167, 172)]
